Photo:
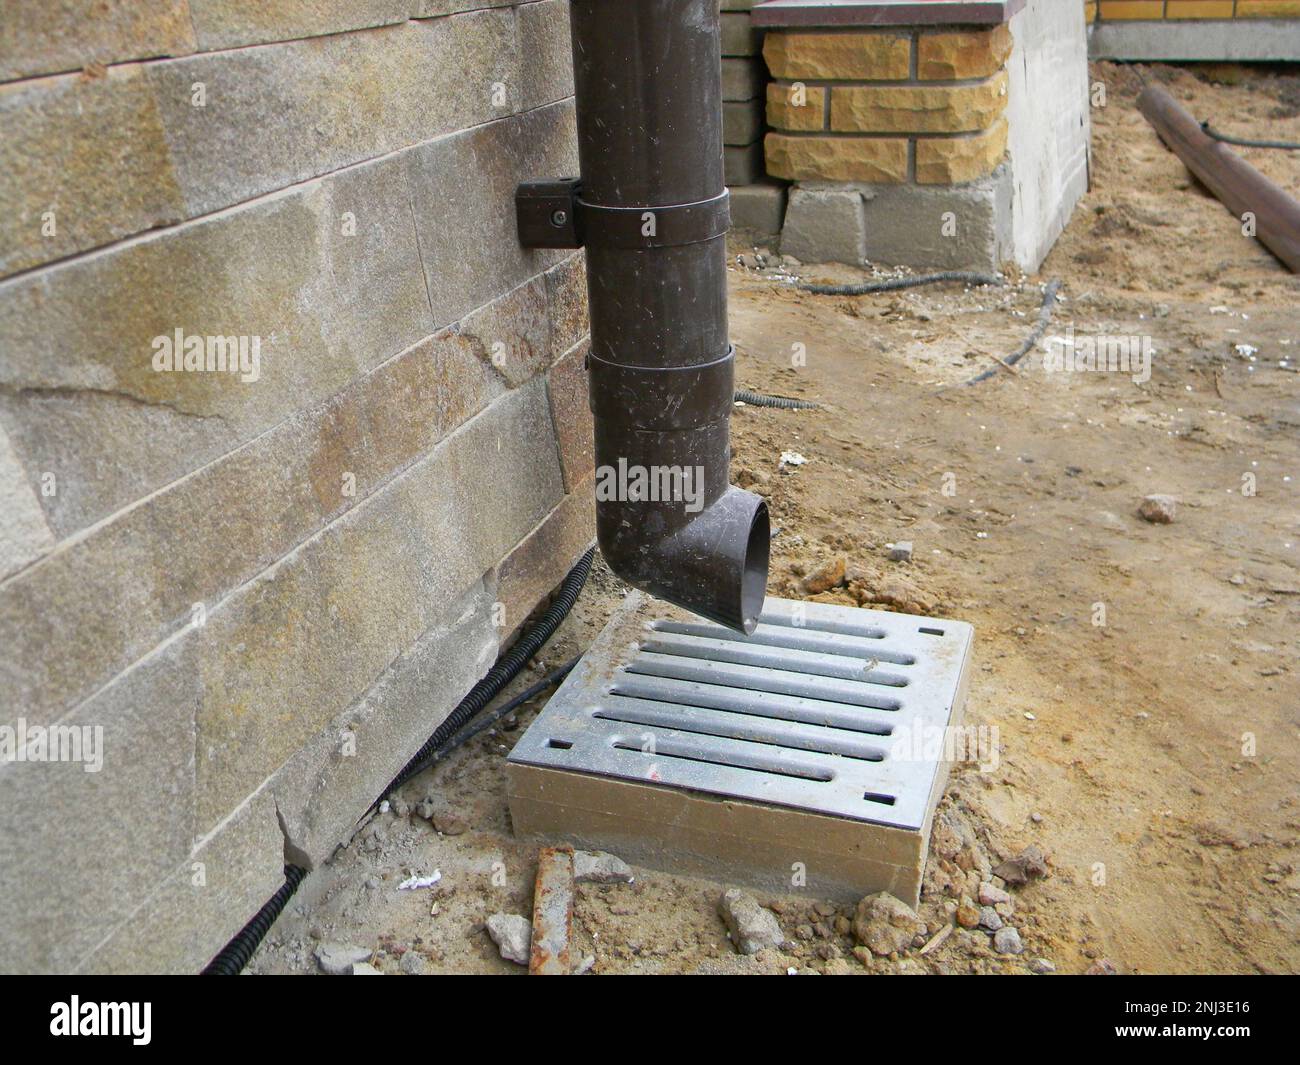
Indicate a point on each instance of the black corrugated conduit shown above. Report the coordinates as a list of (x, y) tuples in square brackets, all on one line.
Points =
[(758, 399), (1035, 335), (501, 674), (236, 954), (451, 733), (893, 284)]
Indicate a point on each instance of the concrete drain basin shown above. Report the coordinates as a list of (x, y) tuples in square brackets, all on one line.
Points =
[(806, 757)]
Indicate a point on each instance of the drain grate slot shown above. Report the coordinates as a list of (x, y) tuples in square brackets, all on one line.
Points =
[(798, 639), (756, 703), (734, 726), (769, 767), (762, 678), (810, 663), (820, 710)]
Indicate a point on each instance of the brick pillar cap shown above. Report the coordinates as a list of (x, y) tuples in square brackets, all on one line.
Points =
[(838, 13)]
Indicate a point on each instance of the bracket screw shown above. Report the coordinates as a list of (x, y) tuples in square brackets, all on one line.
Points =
[(560, 218)]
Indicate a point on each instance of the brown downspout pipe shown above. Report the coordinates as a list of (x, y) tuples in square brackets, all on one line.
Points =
[(1238, 185), (651, 210)]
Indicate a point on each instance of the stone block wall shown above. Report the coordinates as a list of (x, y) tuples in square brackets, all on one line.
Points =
[(1173, 30), (254, 590)]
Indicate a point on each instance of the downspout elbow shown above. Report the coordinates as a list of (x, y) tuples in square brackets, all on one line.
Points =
[(714, 565)]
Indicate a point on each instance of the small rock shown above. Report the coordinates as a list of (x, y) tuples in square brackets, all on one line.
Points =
[(414, 963), (401, 808), (886, 924), (1101, 967), (1029, 864), (1158, 509), (597, 867), (991, 896), (825, 577), (337, 959), (362, 968), (968, 914), (901, 551), (897, 594), (990, 919), (513, 936), (1041, 966), (752, 927), (585, 966), (426, 810), (450, 824), (1006, 940)]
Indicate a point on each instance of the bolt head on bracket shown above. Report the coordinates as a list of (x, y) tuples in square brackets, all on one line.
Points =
[(547, 213)]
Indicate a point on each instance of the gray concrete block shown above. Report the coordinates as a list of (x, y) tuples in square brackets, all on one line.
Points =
[(295, 647), (926, 227), (825, 224), (79, 395), (743, 165), (463, 189), (931, 227), (739, 37), (742, 121), (331, 781), (79, 851), (759, 207), (743, 79), (197, 909), (1237, 40)]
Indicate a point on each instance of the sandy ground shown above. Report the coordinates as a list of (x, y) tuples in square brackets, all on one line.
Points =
[(1155, 758)]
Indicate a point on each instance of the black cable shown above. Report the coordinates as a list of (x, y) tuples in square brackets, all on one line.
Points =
[(758, 399), (1035, 335), (894, 283), (1209, 131), (236, 954), (482, 724)]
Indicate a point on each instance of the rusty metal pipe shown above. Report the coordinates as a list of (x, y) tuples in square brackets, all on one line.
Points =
[(651, 210), (1237, 185)]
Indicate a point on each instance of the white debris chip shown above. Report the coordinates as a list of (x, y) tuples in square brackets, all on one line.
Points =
[(339, 959), (415, 883), (792, 458), (513, 936), (597, 867)]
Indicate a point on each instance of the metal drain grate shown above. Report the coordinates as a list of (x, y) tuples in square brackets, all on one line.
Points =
[(826, 709)]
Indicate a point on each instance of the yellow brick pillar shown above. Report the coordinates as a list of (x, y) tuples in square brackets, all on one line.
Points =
[(893, 106)]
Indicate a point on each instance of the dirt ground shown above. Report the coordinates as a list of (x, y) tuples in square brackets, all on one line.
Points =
[(1154, 757)]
